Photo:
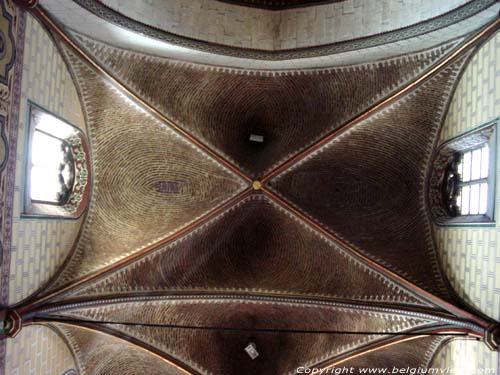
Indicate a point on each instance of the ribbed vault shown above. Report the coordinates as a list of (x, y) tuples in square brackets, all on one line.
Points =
[(220, 352), (249, 248), (327, 260), (149, 182), (100, 353), (291, 109), (371, 182), (411, 354)]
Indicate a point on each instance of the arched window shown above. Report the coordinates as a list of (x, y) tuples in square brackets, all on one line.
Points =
[(462, 184), (57, 167)]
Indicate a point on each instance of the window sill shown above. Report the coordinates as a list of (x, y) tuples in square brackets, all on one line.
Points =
[(469, 221)]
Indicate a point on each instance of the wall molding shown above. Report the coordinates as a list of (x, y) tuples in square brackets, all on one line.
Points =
[(459, 14)]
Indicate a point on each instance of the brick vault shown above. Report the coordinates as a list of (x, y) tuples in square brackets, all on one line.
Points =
[(311, 247)]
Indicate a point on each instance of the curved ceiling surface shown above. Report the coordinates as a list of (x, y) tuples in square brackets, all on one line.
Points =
[(256, 221), (315, 23), (101, 22)]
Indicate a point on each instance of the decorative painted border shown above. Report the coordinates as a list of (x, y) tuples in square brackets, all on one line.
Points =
[(79, 196), (8, 66), (12, 126), (11, 130), (110, 15), (5, 143)]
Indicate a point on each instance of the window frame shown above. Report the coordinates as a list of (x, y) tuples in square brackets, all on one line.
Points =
[(36, 209), (488, 219), (489, 216)]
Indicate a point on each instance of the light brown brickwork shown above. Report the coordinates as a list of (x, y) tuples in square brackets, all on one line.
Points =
[(132, 153), (38, 350), (291, 109), (39, 246), (471, 255)]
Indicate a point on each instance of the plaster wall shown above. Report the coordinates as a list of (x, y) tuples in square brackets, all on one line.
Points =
[(471, 254), (39, 246), (248, 27)]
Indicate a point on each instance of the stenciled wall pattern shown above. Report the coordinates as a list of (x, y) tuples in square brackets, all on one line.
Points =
[(40, 246), (38, 350), (471, 255), (33, 249)]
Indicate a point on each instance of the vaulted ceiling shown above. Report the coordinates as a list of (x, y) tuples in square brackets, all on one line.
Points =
[(315, 245)]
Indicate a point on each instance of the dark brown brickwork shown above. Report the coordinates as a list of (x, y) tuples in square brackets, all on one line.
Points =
[(133, 153), (257, 266), (254, 247), (221, 352), (290, 109), (101, 354), (367, 185), (413, 354)]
